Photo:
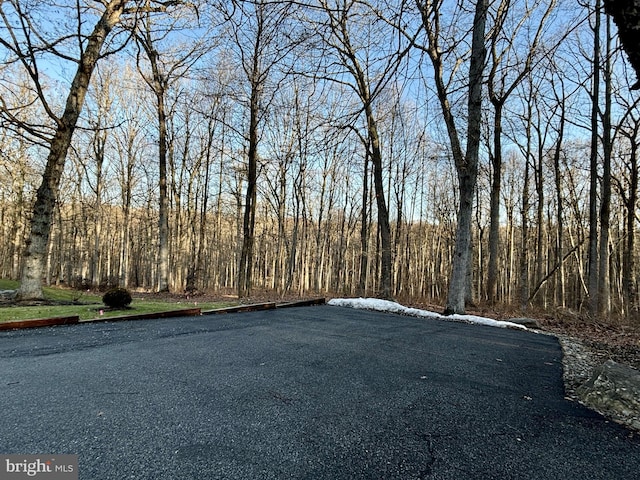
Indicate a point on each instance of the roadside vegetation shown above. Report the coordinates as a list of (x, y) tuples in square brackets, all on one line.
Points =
[(62, 302)]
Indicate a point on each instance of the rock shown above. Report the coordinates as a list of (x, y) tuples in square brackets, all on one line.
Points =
[(614, 390), (527, 322), (7, 295)]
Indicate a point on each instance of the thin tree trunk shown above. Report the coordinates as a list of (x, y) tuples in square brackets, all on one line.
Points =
[(524, 255), (604, 293), (494, 211), (540, 228), (249, 217), (560, 293), (593, 167), (364, 231), (99, 151), (159, 83), (628, 264)]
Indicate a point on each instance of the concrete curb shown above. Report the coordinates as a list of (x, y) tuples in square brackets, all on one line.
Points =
[(188, 312)]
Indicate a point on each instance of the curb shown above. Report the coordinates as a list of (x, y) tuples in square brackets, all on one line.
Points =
[(188, 312)]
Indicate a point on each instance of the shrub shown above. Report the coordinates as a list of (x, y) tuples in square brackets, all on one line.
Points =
[(117, 298)]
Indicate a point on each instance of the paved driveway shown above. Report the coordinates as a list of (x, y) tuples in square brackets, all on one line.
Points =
[(306, 393)]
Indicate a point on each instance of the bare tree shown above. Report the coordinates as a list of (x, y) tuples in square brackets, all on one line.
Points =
[(630, 130), (350, 36), (466, 162), (604, 287), (561, 103), (92, 155), (129, 145), (18, 170), (625, 146), (502, 82), (30, 38), (593, 165), (24, 40), (263, 37), (166, 69)]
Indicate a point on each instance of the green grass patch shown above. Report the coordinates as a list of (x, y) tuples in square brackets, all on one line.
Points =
[(70, 295), (91, 311), (88, 305), (8, 284)]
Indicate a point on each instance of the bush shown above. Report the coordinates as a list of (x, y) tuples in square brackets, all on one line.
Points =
[(117, 298)]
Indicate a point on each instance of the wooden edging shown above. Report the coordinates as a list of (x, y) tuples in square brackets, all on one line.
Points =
[(303, 303), (187, 312), (241, 308), (40, 322), (265, 306)]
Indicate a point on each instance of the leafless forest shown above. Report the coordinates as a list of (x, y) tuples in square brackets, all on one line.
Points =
[(341, 147)]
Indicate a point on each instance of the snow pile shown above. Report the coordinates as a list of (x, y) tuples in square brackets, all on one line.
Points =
[(393, 307)]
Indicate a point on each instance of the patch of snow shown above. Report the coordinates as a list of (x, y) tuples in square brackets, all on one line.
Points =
[(394, 307)]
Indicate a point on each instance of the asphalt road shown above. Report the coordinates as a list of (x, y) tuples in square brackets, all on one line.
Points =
[(305, 393)]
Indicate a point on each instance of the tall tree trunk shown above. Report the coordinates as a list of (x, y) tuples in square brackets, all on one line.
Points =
[(47, 193), (540, 256), (364, 231), (99, 140), (293, 251), (386, 266), (158, 84), (524, 255), (468, 169), (198, 264), (249, 217), (628, 264), (560, 295), (604, 293), (126, 186), (499, 92), (494, 210), (162, 74), (593, 167)]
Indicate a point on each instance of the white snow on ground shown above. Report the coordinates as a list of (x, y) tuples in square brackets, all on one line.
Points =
[(393, 307)]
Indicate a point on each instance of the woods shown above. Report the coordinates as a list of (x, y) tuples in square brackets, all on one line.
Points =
[(450, 152)]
